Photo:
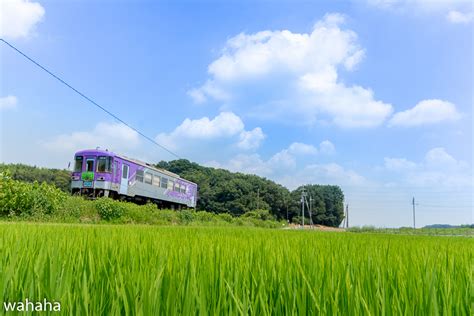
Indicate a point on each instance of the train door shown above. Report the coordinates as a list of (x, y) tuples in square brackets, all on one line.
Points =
[(124, 179)]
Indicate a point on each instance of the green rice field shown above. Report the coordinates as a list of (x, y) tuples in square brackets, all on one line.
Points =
[(145, 270)]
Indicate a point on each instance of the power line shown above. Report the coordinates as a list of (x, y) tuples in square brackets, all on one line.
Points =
[(88, 99)]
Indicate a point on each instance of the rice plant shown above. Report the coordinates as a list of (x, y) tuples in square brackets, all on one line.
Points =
[(143, 270)]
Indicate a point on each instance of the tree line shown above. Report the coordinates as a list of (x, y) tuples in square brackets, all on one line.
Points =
[(221, 191)]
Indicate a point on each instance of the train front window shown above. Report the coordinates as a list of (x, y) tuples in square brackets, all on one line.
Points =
[(78, 164), (104, 164), (90, 164)]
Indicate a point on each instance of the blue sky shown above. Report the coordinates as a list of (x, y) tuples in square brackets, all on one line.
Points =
[(373, 96)]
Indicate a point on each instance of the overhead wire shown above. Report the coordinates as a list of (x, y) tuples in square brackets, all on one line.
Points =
[(89, 99)]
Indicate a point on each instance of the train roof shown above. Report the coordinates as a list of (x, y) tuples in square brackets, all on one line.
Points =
[(150, 166), (136, 161)]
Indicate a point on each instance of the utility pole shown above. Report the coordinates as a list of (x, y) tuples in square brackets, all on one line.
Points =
[(258, 198), (303, 194), (347, 215), (310, 213), (413, 203)]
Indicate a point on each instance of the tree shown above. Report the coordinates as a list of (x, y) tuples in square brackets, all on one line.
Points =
[(327, 204), (60, 178)]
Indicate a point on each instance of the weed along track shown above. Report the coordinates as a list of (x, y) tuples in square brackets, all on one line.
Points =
[(207, 270)]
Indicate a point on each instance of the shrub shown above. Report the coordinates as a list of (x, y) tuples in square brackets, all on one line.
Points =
[(185, 216), (226, 217), (259, 214), (22, 199), (204, 216), (109, 209)]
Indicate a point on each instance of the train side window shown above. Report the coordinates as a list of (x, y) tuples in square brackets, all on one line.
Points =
[(104, 164), (90, 164), (148, 178), (139, 176), (78, 163), (170, 185), (156, 180), (183, 188), (164, 182)]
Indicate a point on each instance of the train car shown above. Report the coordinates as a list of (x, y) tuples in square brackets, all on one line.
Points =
[(103, 173)]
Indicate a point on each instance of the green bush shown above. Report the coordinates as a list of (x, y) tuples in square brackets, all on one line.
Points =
[(203, 216), (44, 202), (185, 217), (259, 214), (226, 217), (109, 209), (28, 199)]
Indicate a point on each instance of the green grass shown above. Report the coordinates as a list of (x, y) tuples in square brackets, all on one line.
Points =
[(150, 270)]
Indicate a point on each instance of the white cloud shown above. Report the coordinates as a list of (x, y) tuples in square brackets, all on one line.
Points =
[(426, 112), (224, 126), (456, 11), (297, 71), (19, 17), (282, 168), (326, 147), (302, 149), (287, 157), (283, 163), (251, 164), (330, 173), (251, 139), (399, 164), (459, 17), (209, 89), (8, 102), (439, 158), (112, 136), (438, 168)]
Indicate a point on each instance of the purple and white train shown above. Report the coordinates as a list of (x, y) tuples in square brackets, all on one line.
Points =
[(102, 173)]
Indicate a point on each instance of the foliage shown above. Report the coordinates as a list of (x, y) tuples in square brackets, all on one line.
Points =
[(327, 206), (185, 217), (221, 191), (108, 209), (44, 202), (137, 270), (259, 214), (33, 199), (226, 217), (60, 178)]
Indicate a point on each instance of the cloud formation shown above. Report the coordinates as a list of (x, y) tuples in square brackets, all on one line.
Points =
[(113, 136), (438, 168), (426, 112), (8, 102), (251, 139), (224, 126), (459, 17), (288, 165), (455, 11), (18, 18), (281, 73)]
